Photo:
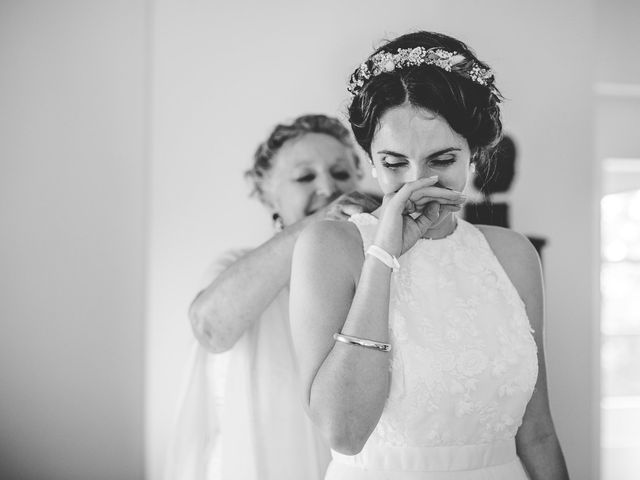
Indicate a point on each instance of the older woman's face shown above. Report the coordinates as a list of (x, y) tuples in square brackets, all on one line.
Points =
[(412, 143), (309, 172)]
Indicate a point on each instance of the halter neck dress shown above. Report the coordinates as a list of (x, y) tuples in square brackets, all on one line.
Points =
[(463, 367)]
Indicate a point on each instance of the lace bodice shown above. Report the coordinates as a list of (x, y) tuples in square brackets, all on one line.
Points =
[(464, 362)]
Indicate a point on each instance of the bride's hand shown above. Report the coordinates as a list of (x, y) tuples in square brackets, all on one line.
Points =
[(397, 231)]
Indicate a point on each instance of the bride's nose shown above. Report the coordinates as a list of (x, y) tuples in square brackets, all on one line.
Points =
[(416, 172)]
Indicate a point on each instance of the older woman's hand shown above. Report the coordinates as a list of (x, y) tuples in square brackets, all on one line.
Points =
[(346, 205)]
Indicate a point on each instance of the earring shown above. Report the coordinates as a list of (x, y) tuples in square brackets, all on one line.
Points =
[(278, 224), (473, 168), (374, 172)]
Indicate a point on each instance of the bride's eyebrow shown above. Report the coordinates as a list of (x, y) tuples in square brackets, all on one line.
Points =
[(392, 153), (443, 151), (434, 154)]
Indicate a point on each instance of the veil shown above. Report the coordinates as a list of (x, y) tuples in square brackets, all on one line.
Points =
[(241, 414)]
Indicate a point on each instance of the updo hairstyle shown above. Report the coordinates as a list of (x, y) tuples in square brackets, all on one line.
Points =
[(472, 110)]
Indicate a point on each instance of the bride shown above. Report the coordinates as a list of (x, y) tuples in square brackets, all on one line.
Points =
[(419, 335)]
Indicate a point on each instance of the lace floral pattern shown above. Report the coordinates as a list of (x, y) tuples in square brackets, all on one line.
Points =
[(464, 362)]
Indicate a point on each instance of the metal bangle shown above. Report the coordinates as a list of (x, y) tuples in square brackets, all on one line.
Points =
[(362, 342)]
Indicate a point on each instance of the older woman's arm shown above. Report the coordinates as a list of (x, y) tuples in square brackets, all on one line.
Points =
[(536, 441), (228, 306)]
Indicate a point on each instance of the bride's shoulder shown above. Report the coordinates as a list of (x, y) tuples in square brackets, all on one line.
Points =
[(507, 242), (332, 234), (331, 241), (517, 255)]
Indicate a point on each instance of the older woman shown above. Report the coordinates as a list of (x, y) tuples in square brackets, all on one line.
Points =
[(304, 172)]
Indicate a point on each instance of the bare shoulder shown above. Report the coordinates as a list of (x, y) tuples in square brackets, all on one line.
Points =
[(332, 234), (509, 244), (518, 258), (331, 244)]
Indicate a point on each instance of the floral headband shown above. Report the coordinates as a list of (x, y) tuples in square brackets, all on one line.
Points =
[(385, 62)]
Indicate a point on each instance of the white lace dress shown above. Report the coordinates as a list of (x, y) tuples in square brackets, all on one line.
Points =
[(464, 365)]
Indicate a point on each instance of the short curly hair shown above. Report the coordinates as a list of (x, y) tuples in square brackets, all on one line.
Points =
[(282, 133)]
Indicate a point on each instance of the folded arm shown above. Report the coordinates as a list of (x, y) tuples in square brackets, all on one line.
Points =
[(334, 288)]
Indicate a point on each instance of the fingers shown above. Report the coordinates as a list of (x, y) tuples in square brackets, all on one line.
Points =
[(413, 196), (366, 202), (436, 209), (449, 208), (337, 212), (419, 204), (423, 195), (430, 215), (432, 212), (399, 198), (356, 202), (350, 210), (350, 204)]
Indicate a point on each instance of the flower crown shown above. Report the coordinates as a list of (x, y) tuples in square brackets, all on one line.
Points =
[(386, 62)]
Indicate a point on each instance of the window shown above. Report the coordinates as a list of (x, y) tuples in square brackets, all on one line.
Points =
[(620, 320)]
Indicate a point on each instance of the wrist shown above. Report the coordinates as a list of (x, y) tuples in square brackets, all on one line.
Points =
[(383, 256), (388, 246)]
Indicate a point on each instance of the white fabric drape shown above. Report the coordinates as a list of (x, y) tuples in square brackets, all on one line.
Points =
[(241, 414)]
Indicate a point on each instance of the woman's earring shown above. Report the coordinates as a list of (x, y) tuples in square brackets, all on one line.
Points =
[(277, 222), (374, 172), (473, 168)]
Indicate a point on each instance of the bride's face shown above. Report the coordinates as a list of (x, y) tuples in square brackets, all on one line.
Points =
[(412, 143)]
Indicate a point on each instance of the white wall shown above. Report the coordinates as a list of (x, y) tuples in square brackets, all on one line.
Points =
[(72, 241), (225, 72), (617, 108), (73, 191)]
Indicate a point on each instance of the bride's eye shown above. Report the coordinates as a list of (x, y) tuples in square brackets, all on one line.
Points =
[(441, 162)]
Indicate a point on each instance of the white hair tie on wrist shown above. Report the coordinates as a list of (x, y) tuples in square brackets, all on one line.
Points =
[(384, 256)]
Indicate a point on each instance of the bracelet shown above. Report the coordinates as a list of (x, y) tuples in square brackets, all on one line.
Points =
[(384, 256), (363, 342)]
